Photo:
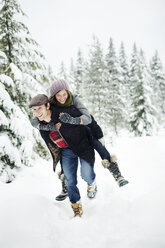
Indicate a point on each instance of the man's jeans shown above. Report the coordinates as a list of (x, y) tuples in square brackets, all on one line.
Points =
[(70, 164)]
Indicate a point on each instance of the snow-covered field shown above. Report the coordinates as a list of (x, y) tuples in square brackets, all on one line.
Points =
[(128, 217)]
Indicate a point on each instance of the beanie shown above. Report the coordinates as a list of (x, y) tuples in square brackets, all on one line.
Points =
[(57, 86), (38, 100)]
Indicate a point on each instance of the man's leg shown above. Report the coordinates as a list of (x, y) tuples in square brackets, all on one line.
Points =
[(88, 174), (69, 165), (64, 193)]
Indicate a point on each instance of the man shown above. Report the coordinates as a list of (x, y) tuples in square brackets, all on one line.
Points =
[(67, 142)]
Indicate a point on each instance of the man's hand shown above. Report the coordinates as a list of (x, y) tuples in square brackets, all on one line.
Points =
[(58, 125), (35, 123)]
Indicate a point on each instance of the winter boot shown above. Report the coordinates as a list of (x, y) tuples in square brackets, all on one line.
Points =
[(114, 169), (92, 190), (64, 193), (77, 209)]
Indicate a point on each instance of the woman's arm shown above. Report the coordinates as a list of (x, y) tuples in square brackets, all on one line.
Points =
[(85, 117)]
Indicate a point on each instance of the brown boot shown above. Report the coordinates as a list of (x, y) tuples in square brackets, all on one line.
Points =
[(77, 209)]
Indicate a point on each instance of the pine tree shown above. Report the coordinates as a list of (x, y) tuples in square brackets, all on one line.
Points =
[(62, 72), (13, 151), (142, 114), (114, 100), (71, 77), (18, 45), (22, 69), (125, 86), (158, 85), (19, 140), (79, 75), (94, 81)]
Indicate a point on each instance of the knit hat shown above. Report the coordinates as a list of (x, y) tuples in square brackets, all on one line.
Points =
[(57, 86), (38, 100)]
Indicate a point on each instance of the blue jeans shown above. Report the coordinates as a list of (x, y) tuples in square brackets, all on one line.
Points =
[(102, 151), (70, 164)]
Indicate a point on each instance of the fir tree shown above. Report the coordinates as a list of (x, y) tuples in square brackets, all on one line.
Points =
[(23, 69), (19, 140), (125, 86), (94, 82), (114, 99), (13, 152), (142, 114), (71, 77), (79, 74), (62, 72), (158, 85), (18, 45)]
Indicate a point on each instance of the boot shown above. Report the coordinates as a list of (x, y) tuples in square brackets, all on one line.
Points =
[(92, 190), (77, 209), (64, 193), (114, 169)]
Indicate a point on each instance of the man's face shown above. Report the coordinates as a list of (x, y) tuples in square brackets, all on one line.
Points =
[(41, 112)]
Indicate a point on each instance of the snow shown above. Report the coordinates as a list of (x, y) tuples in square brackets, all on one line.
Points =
[(131, 217)]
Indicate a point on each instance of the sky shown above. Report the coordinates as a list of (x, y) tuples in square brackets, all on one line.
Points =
[(61, 27)]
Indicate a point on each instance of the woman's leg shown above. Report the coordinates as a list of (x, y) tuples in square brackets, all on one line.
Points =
[(102, 151), (69, 165)]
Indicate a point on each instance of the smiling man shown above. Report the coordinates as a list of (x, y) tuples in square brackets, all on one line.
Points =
[(41, 108), (67, 143)]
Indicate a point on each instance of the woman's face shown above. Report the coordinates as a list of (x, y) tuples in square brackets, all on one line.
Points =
[(62, 96)]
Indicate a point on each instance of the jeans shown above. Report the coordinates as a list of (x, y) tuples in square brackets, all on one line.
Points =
[(70, 164), (102, 151)]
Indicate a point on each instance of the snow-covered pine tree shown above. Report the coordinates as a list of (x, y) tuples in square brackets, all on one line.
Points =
[(18, 45), (79, 75), (15, 149), (70, 80), (17, 88), (158, 86), (142, 113), (19, 140), (94, 87), (62, 72), (114, 98), (125, 87)]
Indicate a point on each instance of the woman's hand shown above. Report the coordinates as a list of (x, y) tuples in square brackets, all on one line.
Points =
[(67, 118)]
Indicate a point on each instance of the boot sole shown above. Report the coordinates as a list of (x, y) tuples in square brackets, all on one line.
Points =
[(123, 183), (61, 198)]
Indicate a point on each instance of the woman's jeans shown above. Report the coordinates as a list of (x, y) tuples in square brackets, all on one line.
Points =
[(69, 163), (102, 151)]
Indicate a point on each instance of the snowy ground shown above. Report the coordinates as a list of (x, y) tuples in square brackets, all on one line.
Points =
[(129, 217)]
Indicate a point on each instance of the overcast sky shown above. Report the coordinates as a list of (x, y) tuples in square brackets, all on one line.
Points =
[(61, 27)]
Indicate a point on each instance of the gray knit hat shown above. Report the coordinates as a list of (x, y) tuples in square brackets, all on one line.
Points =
[(57, 86), (38, 100)]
